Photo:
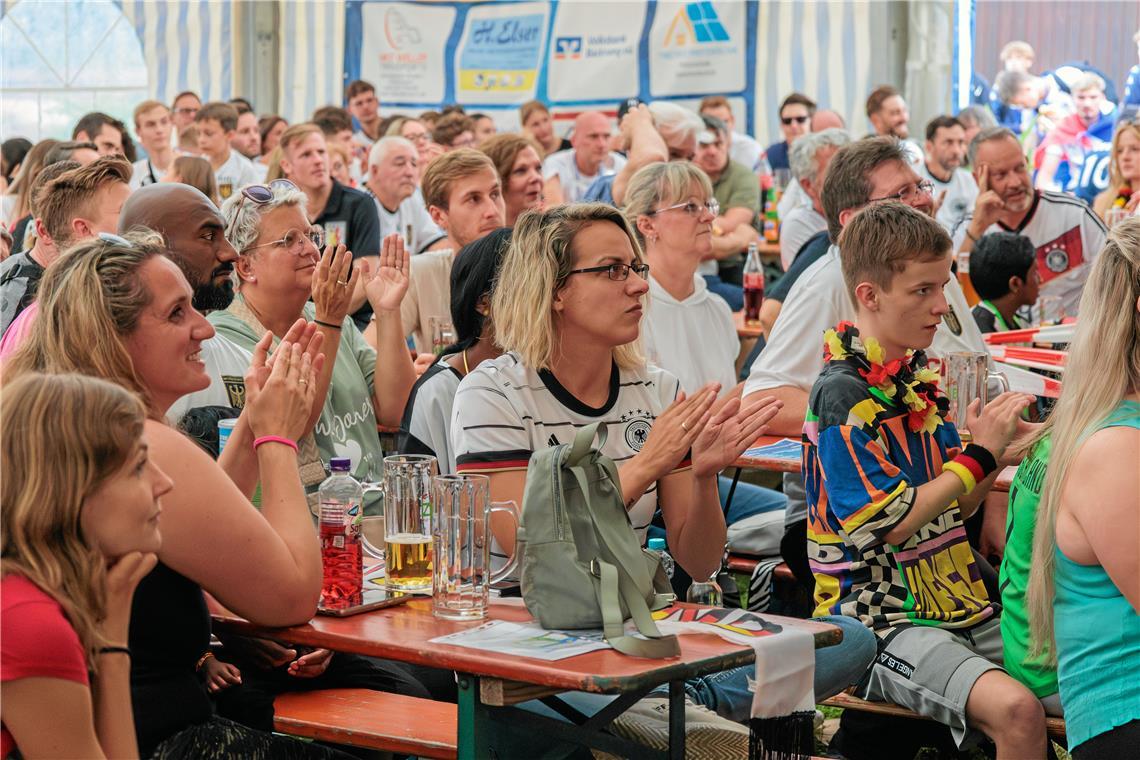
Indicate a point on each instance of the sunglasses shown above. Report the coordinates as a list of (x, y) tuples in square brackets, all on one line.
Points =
[(787, 121), (260, 195)]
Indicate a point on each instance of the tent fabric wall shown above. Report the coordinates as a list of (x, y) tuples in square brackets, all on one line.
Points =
[(188, 45), (311, 59)]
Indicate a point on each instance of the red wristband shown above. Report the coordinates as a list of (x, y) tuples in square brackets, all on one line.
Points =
[(275, 439)]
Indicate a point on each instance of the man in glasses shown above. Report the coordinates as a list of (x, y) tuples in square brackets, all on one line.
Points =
[(741, 147), (184, 109), (888, 114), (796, 111), (736, 190), (954, 188)]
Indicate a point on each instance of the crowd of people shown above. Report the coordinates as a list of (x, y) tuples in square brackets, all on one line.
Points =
[(488, 293)]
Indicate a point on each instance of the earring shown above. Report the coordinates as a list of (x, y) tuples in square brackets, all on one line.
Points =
[(652, 238)]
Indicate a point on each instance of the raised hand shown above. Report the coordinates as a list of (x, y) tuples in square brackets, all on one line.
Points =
[(988, 207), (385, 289), (281, 404), (333, 286), (731, 429)]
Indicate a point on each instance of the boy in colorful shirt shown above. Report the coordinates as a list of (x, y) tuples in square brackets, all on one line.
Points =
[(889, 484)]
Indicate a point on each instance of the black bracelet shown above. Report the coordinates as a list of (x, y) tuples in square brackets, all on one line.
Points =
[(329, 325), (115, 650), (983, 456)]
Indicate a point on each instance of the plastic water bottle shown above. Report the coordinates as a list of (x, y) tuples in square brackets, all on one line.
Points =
[(341, 558), (706, 594), (658, 545)]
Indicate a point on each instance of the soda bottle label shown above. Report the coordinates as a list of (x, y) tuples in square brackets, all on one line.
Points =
[(754, 280)]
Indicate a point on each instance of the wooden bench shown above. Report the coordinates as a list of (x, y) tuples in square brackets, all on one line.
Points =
[(1054, 727), (371, 719), (744, 564)]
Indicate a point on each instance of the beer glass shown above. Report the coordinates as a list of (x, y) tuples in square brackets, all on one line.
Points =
[(407, 521), (461, 545), (967, 375), (442, 334)]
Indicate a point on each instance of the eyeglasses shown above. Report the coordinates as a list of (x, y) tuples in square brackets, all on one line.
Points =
[(417, 137), (692, 208), (787, 121), (259, 194), (294, 240), (113, 239), (616, 272), (908, 194), (186, 111)]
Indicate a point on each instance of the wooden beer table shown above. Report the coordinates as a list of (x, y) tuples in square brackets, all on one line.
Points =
[(745, 330), (491, 683), (771, 464)]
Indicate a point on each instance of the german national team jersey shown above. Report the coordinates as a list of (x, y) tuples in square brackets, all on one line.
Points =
[(505, 411), (1067, 236), (862, 465)]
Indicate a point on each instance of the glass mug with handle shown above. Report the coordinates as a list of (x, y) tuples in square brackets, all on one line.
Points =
[(407, 521), (967, 375), (461, 546), (442, 334)]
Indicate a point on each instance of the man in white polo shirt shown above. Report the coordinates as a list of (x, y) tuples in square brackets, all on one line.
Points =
[(568, 173), (1065, 232), (867, 171), (954, 189)]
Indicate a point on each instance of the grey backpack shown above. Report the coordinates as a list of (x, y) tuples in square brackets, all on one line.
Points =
[(582, 563)]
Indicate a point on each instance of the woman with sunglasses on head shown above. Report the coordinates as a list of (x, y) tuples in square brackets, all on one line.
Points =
[(688, 330), (79, 508), (120, 310), (279, 268)]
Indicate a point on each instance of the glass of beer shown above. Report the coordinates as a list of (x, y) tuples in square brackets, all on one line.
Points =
[(407, 521)]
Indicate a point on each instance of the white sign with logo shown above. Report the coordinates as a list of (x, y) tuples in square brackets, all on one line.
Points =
[(500, 54), (697, 48), (593, 51), (404, 50)]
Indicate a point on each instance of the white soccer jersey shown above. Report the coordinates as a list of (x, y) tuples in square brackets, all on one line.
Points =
[(234, 174), (504, 412), (411, 220), (426, 427), (1067, 236), (961, 193)]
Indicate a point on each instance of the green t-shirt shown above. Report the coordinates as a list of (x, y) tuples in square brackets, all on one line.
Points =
[(738, 188), (347, 427)]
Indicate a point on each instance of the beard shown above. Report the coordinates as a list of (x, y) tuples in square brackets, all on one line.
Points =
[(213, 297)]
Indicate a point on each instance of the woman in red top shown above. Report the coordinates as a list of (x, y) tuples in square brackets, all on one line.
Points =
[(79, 506)]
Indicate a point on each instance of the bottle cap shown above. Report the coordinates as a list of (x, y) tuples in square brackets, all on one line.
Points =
[(340, 464), (657, 544)]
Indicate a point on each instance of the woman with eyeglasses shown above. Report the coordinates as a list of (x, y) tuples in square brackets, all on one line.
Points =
[(688, 330), (279, 268)]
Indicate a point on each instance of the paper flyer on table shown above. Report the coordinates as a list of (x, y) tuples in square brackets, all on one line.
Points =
[(783, 449), (526, 640)]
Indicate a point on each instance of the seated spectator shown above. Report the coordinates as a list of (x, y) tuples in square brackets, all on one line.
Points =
[(1123, 189), (974, 119), (153, 126), (887, 112), (1081, 519), (1003, 271), (1017, 56), (184, 108), (735, 226), (741, 148), (270, 127), (569, 173), (393, 182), (362, 103), (485, 128), (195, 172), (1083, 136), (71, 206), (215, 124), (796, 111), (347, 215), (416, 132), (535, 121), (429, 119), (954, 188), (687, 331), (567, 309), (109, 135), (453, 131), (808, 158), (426, 426), (141, 332), (1065, 233), (661, 131), (520, 172), (17, 201), (336, 124), (247, 139), (465, 199), (889, 484), (1042, 101), (80, 527), (340, 164)]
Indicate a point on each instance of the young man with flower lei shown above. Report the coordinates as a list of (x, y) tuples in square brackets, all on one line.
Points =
[(889, 483)]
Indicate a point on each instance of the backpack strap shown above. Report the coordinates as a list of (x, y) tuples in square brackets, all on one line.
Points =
[(613, 582)]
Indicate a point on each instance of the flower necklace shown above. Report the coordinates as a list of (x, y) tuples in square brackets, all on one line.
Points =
[(1123, 195), (908, 379)]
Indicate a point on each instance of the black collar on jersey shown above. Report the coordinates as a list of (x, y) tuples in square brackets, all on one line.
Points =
[(1028, 216), (571, 402)]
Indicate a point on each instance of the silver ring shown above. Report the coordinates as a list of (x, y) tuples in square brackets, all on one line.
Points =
[(342, 283), (303, 381)]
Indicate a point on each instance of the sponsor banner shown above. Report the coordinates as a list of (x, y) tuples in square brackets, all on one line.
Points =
[(697, 48), (404, 50), (594, 59), (500, 54)]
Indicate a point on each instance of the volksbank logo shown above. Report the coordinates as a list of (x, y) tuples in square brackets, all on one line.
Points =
[(695, 24), (567, 48)]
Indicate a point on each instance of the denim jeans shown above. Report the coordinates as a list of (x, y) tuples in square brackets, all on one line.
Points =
[(732, 294)]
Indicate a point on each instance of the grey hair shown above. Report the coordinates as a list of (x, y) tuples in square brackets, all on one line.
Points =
[(242, 232), (984, 136), (381, 148), (978, 116), (672, 119), (1008, 83), (802, 154), (661, 182)]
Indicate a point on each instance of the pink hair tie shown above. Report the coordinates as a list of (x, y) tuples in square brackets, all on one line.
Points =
[(275, 439)]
